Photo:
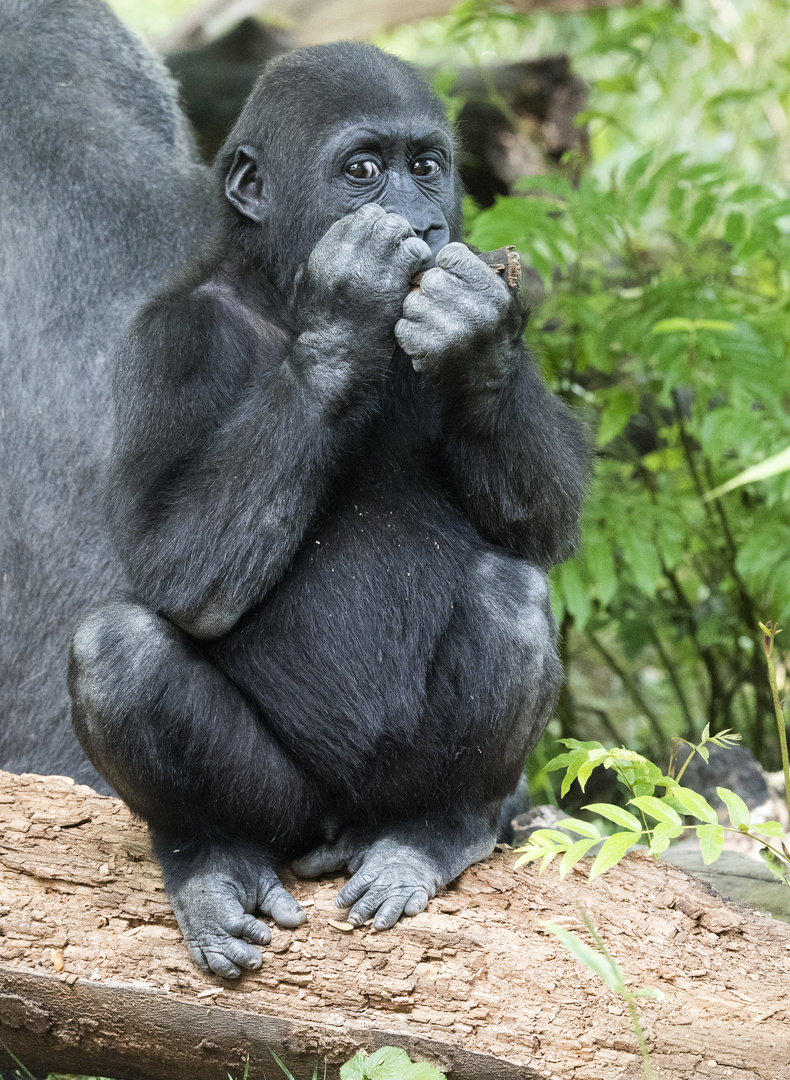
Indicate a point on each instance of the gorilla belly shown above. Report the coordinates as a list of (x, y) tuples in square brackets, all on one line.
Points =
[(345, 644)]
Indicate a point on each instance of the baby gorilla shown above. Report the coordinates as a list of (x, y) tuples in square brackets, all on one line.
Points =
[(335, 500)]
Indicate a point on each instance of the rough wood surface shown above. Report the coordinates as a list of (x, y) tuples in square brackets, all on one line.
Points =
[(94, 976)]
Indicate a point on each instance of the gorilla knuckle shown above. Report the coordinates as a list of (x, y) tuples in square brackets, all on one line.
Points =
[(369, 215), (415, 249), (454, 255), (395, 226)]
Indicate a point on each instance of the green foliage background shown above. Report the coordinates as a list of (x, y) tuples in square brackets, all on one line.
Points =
[(664, 321)]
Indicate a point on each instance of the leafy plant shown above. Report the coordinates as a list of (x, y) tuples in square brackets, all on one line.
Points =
[(662, 805), (388, 1063), (600, 961), (661, 302)]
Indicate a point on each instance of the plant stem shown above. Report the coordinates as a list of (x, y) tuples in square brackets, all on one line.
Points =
[(685, 763), (630, 686), (624, 993), (769, 634), (674, 678), (640, 1038)]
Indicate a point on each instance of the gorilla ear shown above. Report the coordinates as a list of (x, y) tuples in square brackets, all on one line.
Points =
[(244, 184)]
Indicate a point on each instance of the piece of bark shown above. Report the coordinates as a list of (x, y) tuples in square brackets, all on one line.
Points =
[(503, 261), (474, 985)]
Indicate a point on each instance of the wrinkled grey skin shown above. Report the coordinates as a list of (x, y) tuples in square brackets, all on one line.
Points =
[(350, 296), (396, 874), (461, 318), (215, 912)]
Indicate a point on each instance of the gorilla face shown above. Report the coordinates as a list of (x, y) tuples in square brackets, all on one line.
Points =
[(403, 168), (311, 147)]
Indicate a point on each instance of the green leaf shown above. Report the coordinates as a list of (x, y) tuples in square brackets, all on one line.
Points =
[(289, 1075), (591, 958), (714, 324), (575, 593), (601, 566), (767, 828), (643, 560), (612, 851), (735, 228), (772, 466), (694, 804), (637, 169), (775, 864), (619, 408), (575, 825), (657, 808), (578, 760), (528, 855), (547, 837), (662, 835), (420, 1070), (354, 1069), (548, 859), (704, 209), (736, 807), (711, 840), (388, 1063), (616, 814), (673, 326), (585, 772), (574, 853)]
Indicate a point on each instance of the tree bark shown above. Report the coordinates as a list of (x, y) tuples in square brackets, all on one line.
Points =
[(94, 976)]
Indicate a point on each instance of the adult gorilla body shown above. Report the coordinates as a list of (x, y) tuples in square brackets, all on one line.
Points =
[(340, 646), (101, 196)]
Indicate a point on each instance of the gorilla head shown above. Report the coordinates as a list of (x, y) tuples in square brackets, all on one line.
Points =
[(326, 130)]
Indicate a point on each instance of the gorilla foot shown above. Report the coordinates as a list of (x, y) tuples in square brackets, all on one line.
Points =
[(390, 879), (347, 851), (214, 907)]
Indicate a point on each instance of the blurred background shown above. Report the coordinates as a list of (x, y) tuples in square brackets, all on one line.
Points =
[(639, 158)]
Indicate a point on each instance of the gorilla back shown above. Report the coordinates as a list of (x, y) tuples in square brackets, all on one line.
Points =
[(100, 197), (336, 498)]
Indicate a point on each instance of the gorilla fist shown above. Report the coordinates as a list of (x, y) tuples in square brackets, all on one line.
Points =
[(460, 327), (358, 273)]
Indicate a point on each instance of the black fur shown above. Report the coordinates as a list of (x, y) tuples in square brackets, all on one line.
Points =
[(100, 198)]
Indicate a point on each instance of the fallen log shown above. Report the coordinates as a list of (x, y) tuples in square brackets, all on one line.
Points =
[(94, 976)]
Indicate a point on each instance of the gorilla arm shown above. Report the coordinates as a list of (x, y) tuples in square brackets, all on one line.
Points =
[(516, 456), (228, 432)]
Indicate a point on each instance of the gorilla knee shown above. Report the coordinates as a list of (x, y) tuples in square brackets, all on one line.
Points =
[(110, 649), (516, 597)]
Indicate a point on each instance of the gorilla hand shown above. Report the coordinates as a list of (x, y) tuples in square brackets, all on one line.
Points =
[(461, 325), (358, 275)]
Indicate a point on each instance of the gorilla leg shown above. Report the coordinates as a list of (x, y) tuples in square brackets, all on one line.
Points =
[(185, 751), (492, 689)]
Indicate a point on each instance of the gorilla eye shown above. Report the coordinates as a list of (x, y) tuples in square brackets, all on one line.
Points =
[(425, 167), (364, 170)]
